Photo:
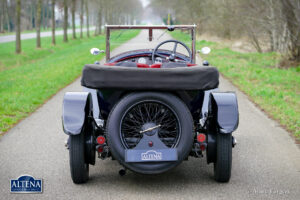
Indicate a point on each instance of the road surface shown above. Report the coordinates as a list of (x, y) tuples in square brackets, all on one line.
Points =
[(25, 36), (266, 162)]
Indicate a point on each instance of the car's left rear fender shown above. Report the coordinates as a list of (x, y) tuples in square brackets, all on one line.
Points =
[(77, 107)]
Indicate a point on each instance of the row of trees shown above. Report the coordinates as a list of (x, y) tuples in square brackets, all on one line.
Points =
[(38, 14), (29, 12), (275, 23)]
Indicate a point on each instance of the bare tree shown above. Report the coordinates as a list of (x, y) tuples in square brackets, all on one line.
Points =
[(291, 10), (33, 14), (38, 23), (266, 23), (105, 11), (2, 16), (81, 18), (99, 17), (7, 15), (18, 26), (53, 21), (65, 21), (73, 19), (87, 18), (45, 15)]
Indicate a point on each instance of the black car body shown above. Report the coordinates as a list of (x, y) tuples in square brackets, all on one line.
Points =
[(150, 116)]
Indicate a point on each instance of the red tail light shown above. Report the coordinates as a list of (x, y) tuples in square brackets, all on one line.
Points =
[(202, 147), (100, 140), (100, 149), (201, 137)]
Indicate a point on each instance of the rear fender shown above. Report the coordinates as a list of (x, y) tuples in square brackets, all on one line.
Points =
[(223, 110), (77, 107)]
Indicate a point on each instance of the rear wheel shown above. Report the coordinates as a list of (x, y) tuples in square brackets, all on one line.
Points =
[(222, 165), (78, 165), (135, 113)]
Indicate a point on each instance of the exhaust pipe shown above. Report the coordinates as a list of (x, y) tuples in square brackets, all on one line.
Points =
[(234, 141)]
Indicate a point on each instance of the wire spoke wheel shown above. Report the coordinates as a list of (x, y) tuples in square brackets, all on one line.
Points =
[(148, 114), (138, 116)]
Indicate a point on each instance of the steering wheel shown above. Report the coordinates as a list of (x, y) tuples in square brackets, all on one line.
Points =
[(173, 54)]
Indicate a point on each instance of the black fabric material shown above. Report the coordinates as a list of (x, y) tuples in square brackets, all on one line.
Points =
[(129, 78)]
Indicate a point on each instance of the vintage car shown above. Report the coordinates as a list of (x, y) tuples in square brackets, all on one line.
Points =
[(150, 109)]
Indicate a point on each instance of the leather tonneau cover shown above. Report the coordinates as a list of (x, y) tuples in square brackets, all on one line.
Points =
[(129, 78)]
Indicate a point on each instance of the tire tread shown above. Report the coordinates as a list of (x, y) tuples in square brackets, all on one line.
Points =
[(222, 166), (79, 169)]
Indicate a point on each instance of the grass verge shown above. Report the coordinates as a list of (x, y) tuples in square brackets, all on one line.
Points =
[(274, 90), (29, 79)]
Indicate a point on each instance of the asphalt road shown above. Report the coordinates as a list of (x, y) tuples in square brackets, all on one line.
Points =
[(266, 162), (25, 36)]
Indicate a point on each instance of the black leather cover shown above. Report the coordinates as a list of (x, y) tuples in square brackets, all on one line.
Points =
[(130, 78)]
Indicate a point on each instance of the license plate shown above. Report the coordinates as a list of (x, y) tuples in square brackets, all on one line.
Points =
[(155, 155)]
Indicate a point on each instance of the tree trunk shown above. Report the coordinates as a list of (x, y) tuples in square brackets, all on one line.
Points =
[(96, 27), (100, 19), (18, 26), (33, 7), (293, 25), (7, 15), (73, 19), (46, 15), (65, 21), (1, 17), (38, 23), (30, 17), (87, 18), (105, 13), (42, 15), (53, 21), (81, 18), (254, 39), (271, 38), (273, 27)]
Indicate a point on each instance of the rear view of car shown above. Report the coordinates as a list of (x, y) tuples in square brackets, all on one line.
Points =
[(150, 116)]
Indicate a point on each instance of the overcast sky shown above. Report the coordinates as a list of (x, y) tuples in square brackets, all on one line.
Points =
[(145, 2)]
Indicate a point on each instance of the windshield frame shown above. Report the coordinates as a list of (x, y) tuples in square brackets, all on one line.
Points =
[(192, 29)]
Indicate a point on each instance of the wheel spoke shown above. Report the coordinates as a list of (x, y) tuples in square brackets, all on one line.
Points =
[(153, 113), (160, 55)]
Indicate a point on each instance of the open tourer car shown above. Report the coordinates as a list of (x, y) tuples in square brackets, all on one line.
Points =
[(150, 108)]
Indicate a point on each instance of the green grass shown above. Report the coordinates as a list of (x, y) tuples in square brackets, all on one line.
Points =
[(29, 79), (275, 90)]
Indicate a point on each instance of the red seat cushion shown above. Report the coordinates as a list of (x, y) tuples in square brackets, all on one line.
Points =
[(141, 65), (156, 65)]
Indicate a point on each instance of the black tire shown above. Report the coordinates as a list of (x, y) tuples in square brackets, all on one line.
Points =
[(183, 145), (222, 165), (78, 166)]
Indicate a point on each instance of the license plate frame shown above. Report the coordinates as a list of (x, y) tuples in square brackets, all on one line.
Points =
[(151, 155)]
